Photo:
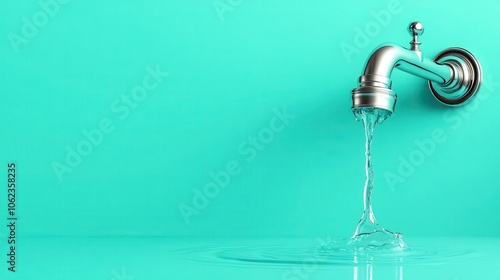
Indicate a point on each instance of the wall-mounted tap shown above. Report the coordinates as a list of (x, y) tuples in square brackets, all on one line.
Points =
[(454, 75)]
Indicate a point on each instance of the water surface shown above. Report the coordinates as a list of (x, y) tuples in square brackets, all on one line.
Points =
[(151, 258)]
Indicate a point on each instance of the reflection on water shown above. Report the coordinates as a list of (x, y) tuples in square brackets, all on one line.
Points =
[(318, 256), (422, 262), (366, 272)]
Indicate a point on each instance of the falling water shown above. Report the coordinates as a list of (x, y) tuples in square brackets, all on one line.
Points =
[(369, 235)]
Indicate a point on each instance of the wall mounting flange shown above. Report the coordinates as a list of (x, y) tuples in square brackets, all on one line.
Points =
[(466, 81)]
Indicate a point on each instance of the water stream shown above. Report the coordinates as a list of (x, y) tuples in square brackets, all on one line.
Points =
[(372, 247), (369, 235)]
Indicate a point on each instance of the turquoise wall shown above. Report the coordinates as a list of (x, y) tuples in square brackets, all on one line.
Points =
[(232, 118)]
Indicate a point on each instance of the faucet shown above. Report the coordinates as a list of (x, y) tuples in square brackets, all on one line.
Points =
[(454, 75)]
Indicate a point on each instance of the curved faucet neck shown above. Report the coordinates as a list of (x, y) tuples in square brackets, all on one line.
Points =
[(384, 59)]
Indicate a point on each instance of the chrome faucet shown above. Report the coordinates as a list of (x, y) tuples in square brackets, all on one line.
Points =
[(454, 75)]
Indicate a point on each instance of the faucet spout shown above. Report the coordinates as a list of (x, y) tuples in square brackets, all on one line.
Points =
[(454, 75)]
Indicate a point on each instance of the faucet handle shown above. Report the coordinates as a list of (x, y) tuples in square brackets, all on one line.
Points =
[(415, 29)]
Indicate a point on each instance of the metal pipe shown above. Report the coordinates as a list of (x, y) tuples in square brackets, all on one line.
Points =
[(454, 75)]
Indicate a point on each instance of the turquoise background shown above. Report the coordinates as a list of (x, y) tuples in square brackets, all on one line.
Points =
[(228, 74)]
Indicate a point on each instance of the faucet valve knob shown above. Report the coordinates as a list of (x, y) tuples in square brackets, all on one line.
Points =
[(415, 29)]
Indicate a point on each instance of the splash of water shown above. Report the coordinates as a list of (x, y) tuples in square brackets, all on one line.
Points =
[(369, 235)]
